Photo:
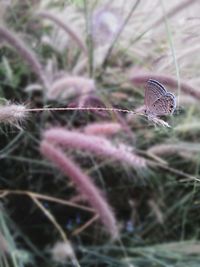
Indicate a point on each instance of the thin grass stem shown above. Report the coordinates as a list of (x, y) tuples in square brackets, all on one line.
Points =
[(116, 38)]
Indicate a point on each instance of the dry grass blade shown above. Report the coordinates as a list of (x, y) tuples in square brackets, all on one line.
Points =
[(5, 192), (49, 215), (177, 172), (86, 225)]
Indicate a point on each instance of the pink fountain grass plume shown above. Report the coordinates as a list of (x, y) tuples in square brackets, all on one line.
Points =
[(142, 78), (97, 145), (25, 52), (72, 33), (165, 149), (72, 85), (83, 184), (171, 149), (95, 101), (106, 23), (12, 114), (103, 128)]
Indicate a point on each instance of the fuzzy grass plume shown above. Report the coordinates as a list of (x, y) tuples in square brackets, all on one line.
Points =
[(82, 183), (25, 52), (12, 114), (68, 29), (103, 128), (99, 146), (68, 86)]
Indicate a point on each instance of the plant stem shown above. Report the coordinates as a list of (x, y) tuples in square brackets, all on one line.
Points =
[(110, 49), (89, 39)]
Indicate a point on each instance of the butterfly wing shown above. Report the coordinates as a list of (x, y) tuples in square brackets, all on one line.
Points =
[(165, 105), (154, 91)]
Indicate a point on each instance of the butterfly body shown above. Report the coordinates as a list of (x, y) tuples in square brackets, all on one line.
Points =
[(158, 101)]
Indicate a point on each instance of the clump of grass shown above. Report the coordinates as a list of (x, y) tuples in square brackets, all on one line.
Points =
[(160, 209), (11, 254)]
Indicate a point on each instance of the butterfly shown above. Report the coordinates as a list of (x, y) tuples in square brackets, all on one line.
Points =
[(157, 100)]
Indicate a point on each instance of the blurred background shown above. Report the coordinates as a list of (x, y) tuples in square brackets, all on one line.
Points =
[(97, 187)]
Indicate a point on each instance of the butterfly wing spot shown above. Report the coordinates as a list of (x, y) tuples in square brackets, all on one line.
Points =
[(163, 106), (171, 108)]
